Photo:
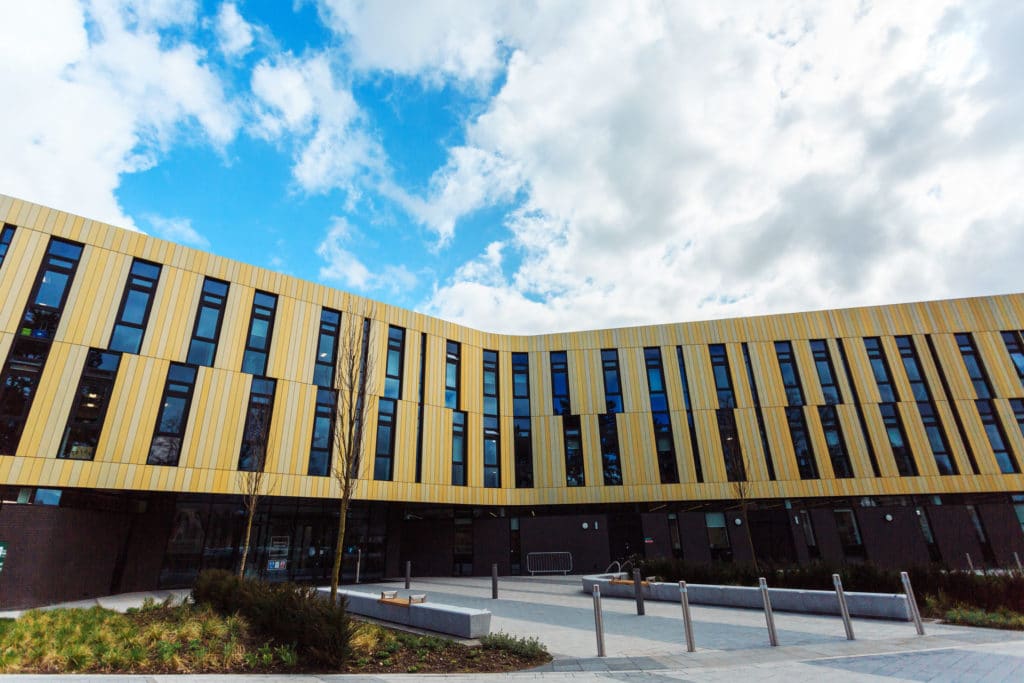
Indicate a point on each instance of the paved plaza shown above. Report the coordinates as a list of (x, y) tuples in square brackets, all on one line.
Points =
[(732, 644)]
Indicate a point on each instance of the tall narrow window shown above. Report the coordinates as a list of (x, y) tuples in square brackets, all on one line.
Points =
[(261, 327), (458, 448), (326, 348), (901, 452), (898, 439), (986, 408), (694, 450), (795, 418), (608, 429), (880, 368), (492, 434), (136, 304), (6, 235), (790, 374), (256, 433), (384, 455), (836, 443), (1014, 341), (668, 469), (323, 433), (31, 346), (395, 362), (451, 375), (957, 420), (849, 532), (521, 420), (419, 414), (859, 408), (727, 433), (723, 380), (925, 406), (560, 383), (612, 382), (718, 536), (826, 372), (173, 416), (82, 433), (203, 348), (760, 414), (573, 451), (50, 292), (1017, 404)]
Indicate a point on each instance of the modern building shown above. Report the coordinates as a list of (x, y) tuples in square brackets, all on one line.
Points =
[(134, 370)]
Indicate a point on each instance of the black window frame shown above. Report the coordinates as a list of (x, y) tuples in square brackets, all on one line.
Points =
[(6, 237), (957, 420), (86, 395), (1013, 340), (690, 421), (146, 285), (858, 407), (491, 421), (522, 432), (610, 368), (759, 413), (325, 361), (938, 441), (35, 310), (826, 371), (453, 363), (561, 403), (325, 409), (572, 438), (253, 353), (786, 358), (835, 442), (880, 369), (978, 374), (384, 449), (994, 429), (393, 375), (800, 435), (218, 303), (257, 434), (661, 419), (186, 395), (724, 387), (460, 465), (902, 453)]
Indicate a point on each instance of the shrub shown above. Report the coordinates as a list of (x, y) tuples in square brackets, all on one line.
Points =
[(528, 648), (286, 613), (1002, 618)]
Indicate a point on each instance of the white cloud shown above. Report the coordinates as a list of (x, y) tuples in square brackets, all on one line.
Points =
[(304, 99), (680, 161), (234, 33), (177, 230), (84, 107), (344, 267)]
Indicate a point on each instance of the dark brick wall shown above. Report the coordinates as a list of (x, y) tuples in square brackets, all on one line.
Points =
[(693, 535), (144, 554), (57, 554), (589, 547), (954, 534), (738, 538), (428, 544), (1004, 532), (827, 535), (655, 527), (490, 545), (896, 544)]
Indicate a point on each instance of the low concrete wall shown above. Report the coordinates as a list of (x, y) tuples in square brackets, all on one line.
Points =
[(876, 605), (430, 616)]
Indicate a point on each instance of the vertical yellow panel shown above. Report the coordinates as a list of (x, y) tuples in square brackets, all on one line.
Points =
[(673, 382), (53, 399), (766, 373), (637, 452), (235, 327), (860, 366), (997, 362), (853, 436), (593, 469), (685, 456), (738, 371), (540, 383), (173, 315), (472, 389), (18, 275), (750, 440), (781, 443), (701, 379), (586, 381), (636, 395), (953, 364), (917, 440), (818, 446), (712, 459), (808, 372)]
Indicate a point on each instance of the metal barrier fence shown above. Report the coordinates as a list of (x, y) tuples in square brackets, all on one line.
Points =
[(549, 563)]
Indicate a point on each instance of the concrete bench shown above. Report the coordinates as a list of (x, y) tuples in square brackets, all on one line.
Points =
[(416, 611), (874, 605)]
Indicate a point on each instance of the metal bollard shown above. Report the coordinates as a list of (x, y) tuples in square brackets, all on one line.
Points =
[(970, 563), (359, 562), (598, 621), (769, 616), (684, 599), (843, 609), (914, 612), (494, 582), (408, 573), (638, 592), (1016, 558)]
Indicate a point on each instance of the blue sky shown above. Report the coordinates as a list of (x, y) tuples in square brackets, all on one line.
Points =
[(537, 166)]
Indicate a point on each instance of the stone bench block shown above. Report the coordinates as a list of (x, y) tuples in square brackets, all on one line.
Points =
[(429, 616)]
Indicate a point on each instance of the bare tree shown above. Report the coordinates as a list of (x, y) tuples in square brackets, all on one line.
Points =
[(355, 363), (252, 476), (737, 475)]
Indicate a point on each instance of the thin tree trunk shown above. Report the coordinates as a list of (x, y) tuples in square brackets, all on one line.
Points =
[(339, 548), (750, 538), (245, 544)]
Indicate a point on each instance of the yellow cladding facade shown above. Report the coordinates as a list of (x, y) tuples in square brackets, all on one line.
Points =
[(210, 452)]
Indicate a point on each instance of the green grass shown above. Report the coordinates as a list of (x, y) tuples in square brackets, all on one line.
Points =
[(1003, 618), (158, 638)]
